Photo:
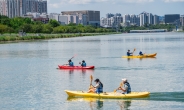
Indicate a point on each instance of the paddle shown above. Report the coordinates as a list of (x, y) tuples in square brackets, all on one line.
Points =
[(70, 59), (91, 79), (121, 84), (133, 51), (73, 57)]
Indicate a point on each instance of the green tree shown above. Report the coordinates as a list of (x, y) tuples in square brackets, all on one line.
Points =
[(27, 20), (54, 23), (26, 27), (3, 28), (10, 30), (4, 20), (37, 28), (72, 24), (47, 28), (16, 22)]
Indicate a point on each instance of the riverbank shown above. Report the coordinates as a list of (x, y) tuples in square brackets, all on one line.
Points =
[(29, 37)]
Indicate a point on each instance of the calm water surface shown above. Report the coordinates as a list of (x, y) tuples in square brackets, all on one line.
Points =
[(29, 78)]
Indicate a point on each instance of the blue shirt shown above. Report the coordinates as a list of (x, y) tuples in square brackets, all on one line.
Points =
[(140, 53), (129, 54), (83, 64), (71, 64)]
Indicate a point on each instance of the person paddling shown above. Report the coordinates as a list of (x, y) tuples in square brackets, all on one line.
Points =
[(83, 63), (70, 63), (140, 53), (98, 88), (126, 87), (129, 53)]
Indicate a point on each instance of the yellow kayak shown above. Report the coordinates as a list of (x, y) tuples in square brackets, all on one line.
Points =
[(142, 56), (109, 95)]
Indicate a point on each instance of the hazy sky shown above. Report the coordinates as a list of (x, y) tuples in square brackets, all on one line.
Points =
[(158, 7)]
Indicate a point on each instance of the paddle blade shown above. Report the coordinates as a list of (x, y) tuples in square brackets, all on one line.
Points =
[(134, 49), (73, 56), (115, 90), (91, 77), (121, 84)]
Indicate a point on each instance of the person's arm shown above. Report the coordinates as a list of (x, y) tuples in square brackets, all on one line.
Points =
[(123, 89), (97, 85), (120, 88)]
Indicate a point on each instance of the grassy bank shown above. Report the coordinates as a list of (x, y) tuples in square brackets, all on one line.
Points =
[(15, 37)]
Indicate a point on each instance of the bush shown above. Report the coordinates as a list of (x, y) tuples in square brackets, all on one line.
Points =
[(7, 38), (1, 38)]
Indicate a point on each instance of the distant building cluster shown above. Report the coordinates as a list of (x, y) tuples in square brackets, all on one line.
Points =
[(37, 10), (15, 8), (84, 17), (112, 20)]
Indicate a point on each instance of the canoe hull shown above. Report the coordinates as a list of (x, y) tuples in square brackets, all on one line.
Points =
[(75, 67), (109, 95), (142, 56)]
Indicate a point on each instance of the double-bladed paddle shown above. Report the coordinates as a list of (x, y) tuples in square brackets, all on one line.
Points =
[(70, 59), (133, 51), (73, 57)]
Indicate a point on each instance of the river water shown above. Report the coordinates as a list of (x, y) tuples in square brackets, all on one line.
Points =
[(29, 78)]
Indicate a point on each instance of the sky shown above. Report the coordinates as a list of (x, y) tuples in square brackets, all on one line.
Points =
[(156, 7)]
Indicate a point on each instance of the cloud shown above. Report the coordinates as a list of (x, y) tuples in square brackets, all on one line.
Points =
[(137, 1), (57, 3), (173, 0)]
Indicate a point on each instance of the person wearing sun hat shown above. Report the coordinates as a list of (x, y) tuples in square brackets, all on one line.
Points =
[(126, 87)]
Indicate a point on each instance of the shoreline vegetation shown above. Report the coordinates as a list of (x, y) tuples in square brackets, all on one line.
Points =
[(30, 37), (24, 29), (21, 29)]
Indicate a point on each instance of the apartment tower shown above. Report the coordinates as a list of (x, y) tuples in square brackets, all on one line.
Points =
[(14, 8)]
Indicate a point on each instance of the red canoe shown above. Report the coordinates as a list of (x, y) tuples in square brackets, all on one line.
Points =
[(75, 67)]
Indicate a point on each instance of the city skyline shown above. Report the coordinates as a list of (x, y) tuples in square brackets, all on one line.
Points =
[(159, 7)]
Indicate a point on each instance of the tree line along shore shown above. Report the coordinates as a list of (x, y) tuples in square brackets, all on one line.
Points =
[(9, 27)]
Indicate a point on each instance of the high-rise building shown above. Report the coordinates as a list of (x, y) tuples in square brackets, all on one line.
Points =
[(126, 18), (182, 20), (171, 18), (143, 19), (155, 19), (148, 18), (111, 20), (13, 8), (92, 17), (109, 15)]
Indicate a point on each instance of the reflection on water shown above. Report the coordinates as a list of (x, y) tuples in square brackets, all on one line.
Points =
[(124, 105), (96, 103), (141, 59), (83, 71), (71, 71)]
